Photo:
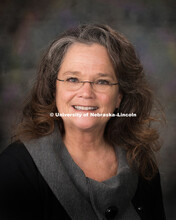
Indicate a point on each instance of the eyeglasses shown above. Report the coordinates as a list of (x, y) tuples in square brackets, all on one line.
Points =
[(100, 85)]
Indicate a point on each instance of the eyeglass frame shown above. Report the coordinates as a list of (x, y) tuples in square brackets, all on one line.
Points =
[(91, 82)]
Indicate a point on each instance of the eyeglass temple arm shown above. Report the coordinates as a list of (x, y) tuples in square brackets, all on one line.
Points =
[(60, 80)]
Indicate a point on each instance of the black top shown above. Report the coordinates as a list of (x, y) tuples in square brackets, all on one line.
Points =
[(25, 195)]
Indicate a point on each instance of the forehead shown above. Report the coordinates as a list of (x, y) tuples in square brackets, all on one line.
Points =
[(87, 58)]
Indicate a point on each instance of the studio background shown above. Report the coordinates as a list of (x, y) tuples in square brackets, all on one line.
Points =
[(27, 27)]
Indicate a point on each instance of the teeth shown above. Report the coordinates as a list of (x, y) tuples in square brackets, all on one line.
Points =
[(85, 107)]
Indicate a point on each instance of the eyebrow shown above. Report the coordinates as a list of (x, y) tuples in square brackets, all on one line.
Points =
[(71, 72), (79, 73)]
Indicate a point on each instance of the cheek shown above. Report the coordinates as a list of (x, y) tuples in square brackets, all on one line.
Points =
[(58, 97), (104, 99), (63, 98), (108, 101)]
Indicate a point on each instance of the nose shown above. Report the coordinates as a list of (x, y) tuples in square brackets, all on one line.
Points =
[(86, 91)]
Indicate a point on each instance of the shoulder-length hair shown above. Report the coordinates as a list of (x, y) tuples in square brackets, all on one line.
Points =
[(135, 134)]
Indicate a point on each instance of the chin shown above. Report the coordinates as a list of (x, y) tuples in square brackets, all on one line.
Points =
[(85, 124)]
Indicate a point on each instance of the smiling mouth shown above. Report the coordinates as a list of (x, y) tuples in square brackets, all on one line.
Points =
[(85, 108)]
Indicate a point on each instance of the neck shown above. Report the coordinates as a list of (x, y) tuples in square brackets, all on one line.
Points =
[(84, 141), (91, 153)]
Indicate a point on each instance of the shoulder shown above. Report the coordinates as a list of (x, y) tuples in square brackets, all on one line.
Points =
[(148, 200), (24, 192), (15, 153), (19, 182), (14, 150), (149, 186), (16, 164)]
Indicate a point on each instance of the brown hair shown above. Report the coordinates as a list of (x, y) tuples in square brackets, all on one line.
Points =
[(135, 134)]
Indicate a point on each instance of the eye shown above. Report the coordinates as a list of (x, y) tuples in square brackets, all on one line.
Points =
[(102, 82), (72, 80)]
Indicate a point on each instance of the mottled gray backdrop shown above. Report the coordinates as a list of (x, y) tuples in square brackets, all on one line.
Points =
[(28, 26)]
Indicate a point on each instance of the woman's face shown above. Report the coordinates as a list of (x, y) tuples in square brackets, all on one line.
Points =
[(86, 63)]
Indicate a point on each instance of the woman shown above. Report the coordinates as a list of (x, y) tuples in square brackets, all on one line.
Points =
[(84, 164)]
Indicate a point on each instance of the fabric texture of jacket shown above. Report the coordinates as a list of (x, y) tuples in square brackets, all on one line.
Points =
[(25, 195)]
